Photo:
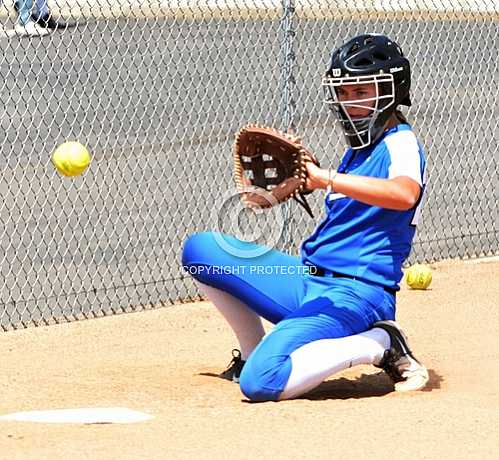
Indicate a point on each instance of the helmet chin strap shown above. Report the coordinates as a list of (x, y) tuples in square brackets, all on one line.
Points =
[(364, 142), (358, 136)]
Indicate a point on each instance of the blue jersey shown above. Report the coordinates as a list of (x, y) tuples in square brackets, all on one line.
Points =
[(365, 241)]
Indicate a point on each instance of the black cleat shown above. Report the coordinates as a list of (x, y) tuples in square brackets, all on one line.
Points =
[(398, 361), (234, 368)]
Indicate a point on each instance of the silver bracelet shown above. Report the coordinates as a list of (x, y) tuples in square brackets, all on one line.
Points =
[(331, 177)]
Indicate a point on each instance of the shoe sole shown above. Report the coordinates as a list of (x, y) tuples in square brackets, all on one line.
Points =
[(229, 379), (415, 382)]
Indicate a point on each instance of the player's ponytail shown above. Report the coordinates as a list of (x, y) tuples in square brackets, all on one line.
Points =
[(401, 117)]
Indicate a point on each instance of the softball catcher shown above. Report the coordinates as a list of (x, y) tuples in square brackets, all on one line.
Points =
[(333, 307)]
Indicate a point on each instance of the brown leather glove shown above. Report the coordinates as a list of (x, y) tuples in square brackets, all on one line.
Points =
[(269, 167)]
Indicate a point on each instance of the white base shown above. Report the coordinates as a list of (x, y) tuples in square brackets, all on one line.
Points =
[(84, 416)]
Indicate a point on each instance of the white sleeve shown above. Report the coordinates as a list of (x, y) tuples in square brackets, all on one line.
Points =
[(405, 158)]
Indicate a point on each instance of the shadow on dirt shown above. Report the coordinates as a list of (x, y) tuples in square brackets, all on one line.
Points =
[(364, 386), (211, 374), (435, 380)]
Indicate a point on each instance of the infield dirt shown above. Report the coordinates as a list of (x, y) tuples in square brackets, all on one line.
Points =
[(164, 362)]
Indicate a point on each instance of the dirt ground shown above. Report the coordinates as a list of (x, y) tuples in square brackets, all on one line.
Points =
[(160, 362)]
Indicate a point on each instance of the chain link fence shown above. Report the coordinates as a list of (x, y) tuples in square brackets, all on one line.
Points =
[(155, 87)]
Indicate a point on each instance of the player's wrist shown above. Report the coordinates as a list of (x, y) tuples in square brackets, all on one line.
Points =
[(331, 177), (320, 178)]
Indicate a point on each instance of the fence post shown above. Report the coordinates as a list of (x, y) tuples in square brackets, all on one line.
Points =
[(288, 103), (289, 60)]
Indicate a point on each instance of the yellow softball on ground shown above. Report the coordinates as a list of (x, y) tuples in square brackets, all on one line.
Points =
[(419, 276), (71, 158)]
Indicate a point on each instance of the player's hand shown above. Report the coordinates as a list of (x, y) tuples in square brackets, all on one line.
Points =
[(316, 177)]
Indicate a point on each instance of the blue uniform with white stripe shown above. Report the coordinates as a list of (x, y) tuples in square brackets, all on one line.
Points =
[(367, 243)]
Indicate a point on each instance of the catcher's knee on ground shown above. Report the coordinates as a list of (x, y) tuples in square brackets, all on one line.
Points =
[(264, 377), (268, 368)]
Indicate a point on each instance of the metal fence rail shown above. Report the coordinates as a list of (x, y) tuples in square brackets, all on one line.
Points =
[(152, 87)]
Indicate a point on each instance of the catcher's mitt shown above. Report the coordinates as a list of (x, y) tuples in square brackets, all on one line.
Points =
[(269, 167)]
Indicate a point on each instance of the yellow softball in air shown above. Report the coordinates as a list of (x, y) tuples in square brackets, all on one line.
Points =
[(418, 276), (71, 158)]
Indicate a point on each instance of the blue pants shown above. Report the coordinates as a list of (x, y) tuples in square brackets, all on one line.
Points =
[(276, 286)]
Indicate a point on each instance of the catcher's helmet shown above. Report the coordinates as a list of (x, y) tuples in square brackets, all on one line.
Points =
[(368, 59)]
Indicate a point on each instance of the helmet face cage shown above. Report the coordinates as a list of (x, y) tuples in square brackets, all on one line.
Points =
[(358, 131), (368, 59)]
